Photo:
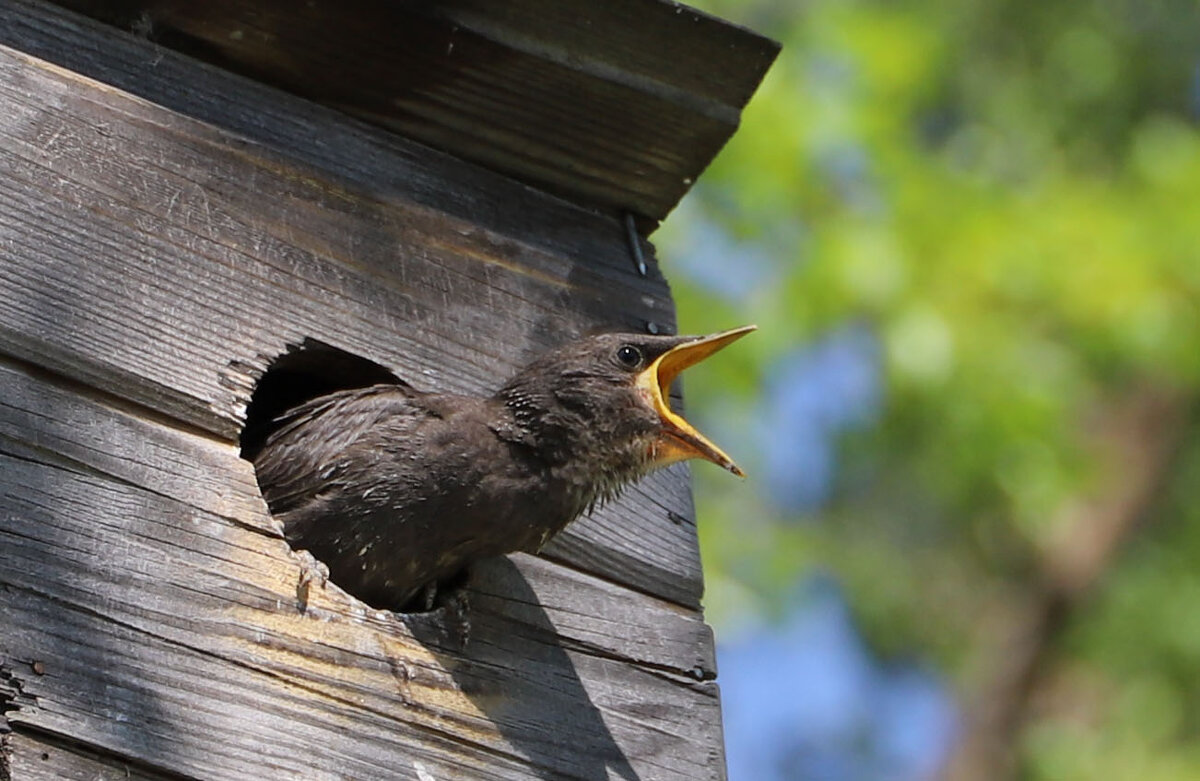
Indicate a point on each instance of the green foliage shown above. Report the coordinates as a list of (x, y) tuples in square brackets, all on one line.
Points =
[(1006, 192)]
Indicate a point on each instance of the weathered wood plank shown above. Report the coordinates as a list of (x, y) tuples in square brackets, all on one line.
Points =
[(141, 257), (620, 104), (45, 418), (382, 163), (162, 618), (30, 756)]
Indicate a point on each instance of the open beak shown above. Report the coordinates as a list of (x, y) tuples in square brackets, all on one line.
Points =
[(679, 440)]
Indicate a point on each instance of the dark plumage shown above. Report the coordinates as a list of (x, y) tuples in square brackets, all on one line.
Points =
[(394, 489)]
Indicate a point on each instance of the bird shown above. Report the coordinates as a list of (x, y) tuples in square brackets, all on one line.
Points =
[(396, 490)]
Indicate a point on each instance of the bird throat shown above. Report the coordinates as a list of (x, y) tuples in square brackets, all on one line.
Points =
[(589, 467)]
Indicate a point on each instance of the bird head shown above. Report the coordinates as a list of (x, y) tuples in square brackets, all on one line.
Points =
[(606, 398)]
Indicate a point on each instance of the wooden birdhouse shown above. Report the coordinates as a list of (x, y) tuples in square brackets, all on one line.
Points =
[(213, 210)]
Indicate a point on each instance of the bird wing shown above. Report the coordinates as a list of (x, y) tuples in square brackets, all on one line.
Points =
[(303, 457)]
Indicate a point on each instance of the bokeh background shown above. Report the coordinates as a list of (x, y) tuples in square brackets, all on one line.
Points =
[(970, 544)]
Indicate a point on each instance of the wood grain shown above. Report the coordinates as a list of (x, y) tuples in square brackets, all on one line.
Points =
[(163, 618), (34, 756), (167, 229), (141, 257), (618, 104)]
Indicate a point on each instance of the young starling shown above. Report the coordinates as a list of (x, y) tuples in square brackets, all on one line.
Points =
[(395, 490)]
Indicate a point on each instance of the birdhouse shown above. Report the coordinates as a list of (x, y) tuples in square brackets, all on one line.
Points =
[(213, 211)]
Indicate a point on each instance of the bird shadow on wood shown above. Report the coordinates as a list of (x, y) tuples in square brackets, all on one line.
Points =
[(514, 668)]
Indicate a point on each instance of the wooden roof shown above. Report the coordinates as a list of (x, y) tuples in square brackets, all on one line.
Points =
[(618, 104)]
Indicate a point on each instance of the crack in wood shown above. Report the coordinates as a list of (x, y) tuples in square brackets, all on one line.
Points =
[(13, 697), (148, 287)]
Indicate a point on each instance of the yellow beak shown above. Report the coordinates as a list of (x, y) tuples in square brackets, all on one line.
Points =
[(679, 440)]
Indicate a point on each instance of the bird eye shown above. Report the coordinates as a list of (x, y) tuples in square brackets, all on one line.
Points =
[(629, 356)]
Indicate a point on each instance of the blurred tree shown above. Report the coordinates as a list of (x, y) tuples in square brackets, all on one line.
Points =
[(989, 211)]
